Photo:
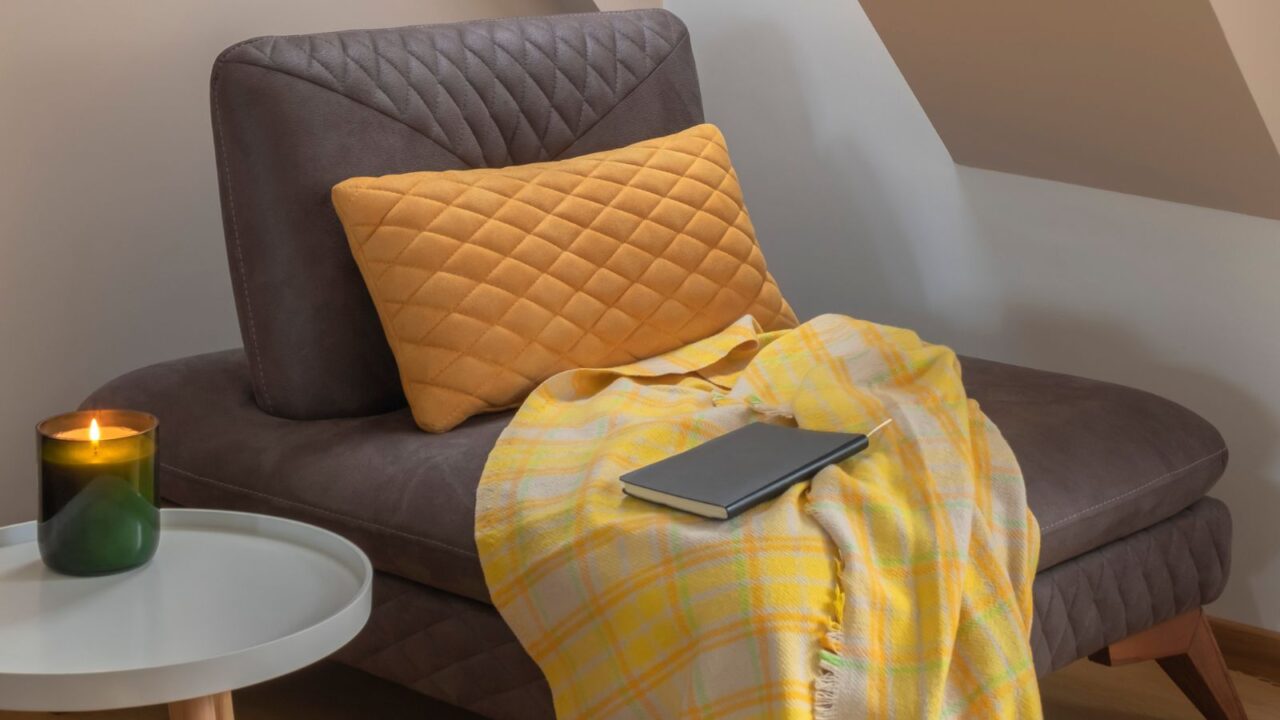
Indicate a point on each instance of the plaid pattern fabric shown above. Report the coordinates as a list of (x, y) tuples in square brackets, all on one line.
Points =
[(896, 584)]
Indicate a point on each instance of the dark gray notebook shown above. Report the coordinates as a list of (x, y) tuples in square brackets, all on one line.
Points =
[(740, 469)]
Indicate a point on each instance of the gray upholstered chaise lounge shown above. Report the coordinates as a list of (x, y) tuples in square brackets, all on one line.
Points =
[(308, 420)]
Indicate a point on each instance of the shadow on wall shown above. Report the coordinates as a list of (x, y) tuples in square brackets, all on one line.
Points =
[(1050, 339), (820, 241), (856, 201)]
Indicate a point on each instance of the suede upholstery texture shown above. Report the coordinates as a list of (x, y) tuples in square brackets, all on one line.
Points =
[(489, 281), (1127, 548), (293, 116), (1116, 477), (1100, 461)]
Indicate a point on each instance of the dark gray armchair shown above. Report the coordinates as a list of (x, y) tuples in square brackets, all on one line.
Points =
[(308, 420)]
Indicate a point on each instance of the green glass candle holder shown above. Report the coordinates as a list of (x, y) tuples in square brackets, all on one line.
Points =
[(98, 504)]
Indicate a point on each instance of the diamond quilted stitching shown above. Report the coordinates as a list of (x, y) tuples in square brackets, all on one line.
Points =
[(1130, 584), (448, 648), (473, 88), (490, 281)]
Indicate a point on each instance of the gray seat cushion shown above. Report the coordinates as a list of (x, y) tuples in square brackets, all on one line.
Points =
[(406, 497), (1101, 461)]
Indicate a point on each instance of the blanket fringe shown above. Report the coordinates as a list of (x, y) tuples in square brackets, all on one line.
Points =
[(825, 686)]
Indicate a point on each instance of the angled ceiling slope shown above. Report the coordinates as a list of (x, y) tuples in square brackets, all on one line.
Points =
[(1142, 96)]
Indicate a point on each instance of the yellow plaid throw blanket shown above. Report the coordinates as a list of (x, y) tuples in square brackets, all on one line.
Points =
[(896, 584)]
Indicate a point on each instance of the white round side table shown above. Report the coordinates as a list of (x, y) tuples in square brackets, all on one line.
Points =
[(230, 600)]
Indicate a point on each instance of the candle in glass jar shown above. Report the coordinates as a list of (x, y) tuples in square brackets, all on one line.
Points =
[(98, 510)]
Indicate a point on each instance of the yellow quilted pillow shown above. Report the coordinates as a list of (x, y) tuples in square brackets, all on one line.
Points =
[(489, 281)]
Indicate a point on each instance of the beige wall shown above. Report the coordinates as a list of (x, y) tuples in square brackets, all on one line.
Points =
[(860, 209), (109, 221), (1251, 27), (1142, 96)]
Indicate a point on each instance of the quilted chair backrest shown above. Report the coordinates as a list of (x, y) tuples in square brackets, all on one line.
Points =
[(294, 115)]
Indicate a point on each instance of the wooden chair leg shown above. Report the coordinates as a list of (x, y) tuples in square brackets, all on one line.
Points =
[(1186, 650), (209, 707)]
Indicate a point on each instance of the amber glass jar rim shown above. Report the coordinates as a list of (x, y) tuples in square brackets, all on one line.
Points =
[(136, 420)]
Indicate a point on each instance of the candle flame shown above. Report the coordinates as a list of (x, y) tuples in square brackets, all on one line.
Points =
[(95, 433)]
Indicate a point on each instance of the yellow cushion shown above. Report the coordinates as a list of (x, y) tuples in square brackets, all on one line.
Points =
[(489, 281)]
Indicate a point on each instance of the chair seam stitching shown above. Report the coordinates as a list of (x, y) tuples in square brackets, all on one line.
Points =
[(235, 234), (1133, 491), (684, 40)]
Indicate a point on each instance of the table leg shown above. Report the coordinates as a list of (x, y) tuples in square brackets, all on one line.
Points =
[(209, 707)]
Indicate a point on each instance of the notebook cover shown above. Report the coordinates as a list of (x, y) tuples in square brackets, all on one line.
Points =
[(746, 466)]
